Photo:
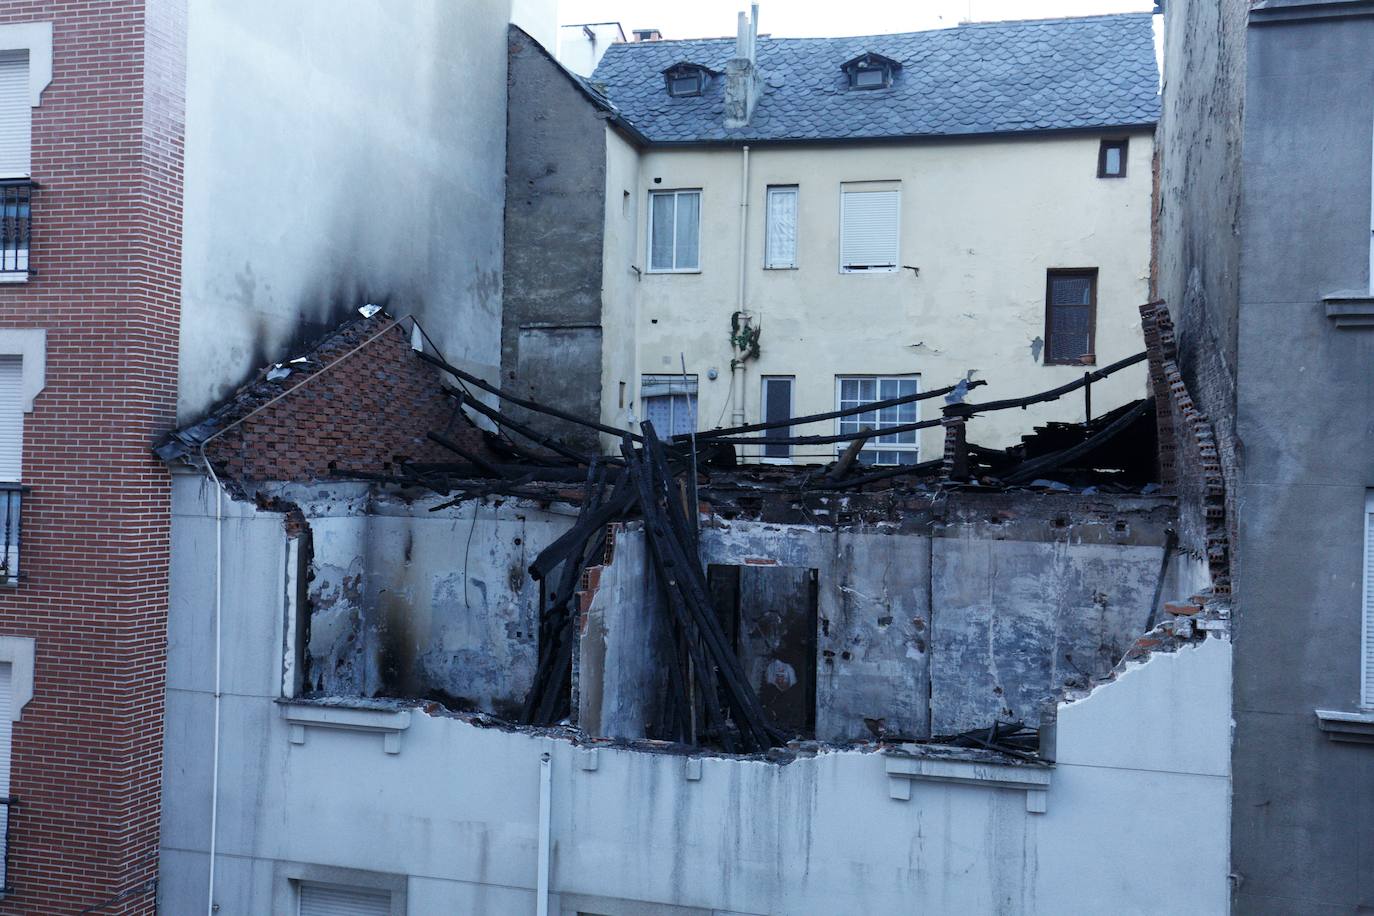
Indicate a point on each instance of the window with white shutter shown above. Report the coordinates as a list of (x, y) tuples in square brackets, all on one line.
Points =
[(780, 248), (869, 227), (333, 900), (1070, 317), (14, 114), (674, 231), (1367, 628)]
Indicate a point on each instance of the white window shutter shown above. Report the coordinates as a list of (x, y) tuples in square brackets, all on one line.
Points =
[(11, 418), (14, 114), (868, 229), (1367, 634), (782, 228), (326, 900)]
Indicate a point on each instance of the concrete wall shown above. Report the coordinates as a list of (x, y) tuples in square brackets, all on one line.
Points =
[(620, 314), (915, 635), (551, 336), (982, 219), (1198, 256), (1142, 766), (339, 153), (1304, 806), (405, 602)]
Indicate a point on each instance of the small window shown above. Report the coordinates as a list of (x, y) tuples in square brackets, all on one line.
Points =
[(1111, 159), (857, 390), (781, 232), (686, 79), (1070, 317), (15, 114), (670, 403), (870, 71), (777, 406), (869, 224), (333, 900), (674, 231)]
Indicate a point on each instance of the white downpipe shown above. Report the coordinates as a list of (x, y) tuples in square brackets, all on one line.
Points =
[(210, 907), (542, 891), (738, 355)]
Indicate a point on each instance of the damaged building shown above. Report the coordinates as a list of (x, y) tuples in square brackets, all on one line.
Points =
[(463, 665)]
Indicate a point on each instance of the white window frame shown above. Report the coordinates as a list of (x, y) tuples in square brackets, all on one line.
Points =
[(764, 381), (692, 396), (675, 193), (771, 259), (869, 187), (873, 445)]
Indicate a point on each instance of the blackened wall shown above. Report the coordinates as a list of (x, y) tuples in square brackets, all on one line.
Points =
[(1199, 209), (1303, 809), (554, 233)]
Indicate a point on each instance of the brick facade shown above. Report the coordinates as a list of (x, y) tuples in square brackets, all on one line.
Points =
[(360, 400), (107, 152)]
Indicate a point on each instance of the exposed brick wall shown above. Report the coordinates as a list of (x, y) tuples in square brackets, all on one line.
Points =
[(365, 400), (87, 752), (1190, 462)]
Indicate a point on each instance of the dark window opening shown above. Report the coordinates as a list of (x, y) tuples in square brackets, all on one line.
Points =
[(768, 614), (870, 71), (777, 406), (1111, 159), (1070, 317), (686, 79)]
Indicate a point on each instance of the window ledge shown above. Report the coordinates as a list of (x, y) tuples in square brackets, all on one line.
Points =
[(389, 722), (966, 767), (1353, 727), (1350, 309), (14, 277)]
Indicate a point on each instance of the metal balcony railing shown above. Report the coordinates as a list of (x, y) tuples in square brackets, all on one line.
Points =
[(16, 196), (7, 806), (11, 505)]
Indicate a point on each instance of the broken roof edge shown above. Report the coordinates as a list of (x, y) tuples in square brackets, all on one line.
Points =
[(589, 91), (266, 386)]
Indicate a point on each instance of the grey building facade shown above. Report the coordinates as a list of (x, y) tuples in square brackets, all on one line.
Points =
[(1265, 260)]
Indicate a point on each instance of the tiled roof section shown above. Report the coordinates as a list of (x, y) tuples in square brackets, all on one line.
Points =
[(982, 78)]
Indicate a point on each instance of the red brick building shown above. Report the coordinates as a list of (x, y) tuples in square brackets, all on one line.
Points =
[(91, 136)]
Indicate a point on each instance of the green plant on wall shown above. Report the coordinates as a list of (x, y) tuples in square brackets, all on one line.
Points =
[(744, 338)]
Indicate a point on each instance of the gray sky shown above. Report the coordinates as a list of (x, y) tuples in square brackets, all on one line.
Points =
[(797, 18)]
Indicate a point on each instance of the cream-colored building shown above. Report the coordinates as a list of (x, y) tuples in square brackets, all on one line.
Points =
[(888, 214)]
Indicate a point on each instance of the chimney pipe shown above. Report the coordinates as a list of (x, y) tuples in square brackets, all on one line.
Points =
[(742, 83)]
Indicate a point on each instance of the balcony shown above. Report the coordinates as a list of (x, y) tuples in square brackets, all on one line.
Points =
[(16, 197), (11, 504)]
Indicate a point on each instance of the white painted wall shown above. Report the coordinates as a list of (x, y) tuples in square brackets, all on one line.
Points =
[(1142, 778), (625, 205), (340, 152), (579, 51), (982, 219)]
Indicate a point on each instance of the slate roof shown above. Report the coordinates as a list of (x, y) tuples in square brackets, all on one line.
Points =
[(980, 78)]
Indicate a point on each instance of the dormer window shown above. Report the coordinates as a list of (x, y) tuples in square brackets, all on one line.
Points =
[(870, 71), (687, 79)]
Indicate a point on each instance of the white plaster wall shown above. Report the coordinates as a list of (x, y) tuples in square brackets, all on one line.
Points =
[(620, 286), (982, 219), (340, 152)]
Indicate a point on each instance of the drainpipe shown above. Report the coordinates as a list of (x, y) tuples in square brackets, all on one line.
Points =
[(210, 907), (542, 890), (740, 355)]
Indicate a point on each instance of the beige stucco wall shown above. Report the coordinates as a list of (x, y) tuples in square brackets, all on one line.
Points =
[(620, 284), (982, 219)]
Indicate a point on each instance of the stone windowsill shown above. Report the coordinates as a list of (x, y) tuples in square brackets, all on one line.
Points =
[(1350, 309), (1353, 727), (916, 763), (389, 723), (14, 277)]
